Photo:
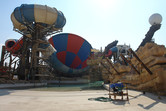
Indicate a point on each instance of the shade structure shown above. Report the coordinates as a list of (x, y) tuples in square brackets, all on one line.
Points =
[(72, 51)]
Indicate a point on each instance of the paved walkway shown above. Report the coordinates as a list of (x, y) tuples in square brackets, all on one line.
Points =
[(21, 85), (28, 100)]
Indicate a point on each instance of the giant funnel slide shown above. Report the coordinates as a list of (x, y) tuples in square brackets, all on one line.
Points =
[(66, 52), (71, 55)]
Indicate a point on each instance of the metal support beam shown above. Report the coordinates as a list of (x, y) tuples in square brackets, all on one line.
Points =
[(105, 68), (129, 63), (134, 54), (112, 66), (10, 63), (2, 56)]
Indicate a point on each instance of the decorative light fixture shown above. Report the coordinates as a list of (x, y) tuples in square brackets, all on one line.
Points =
[(155, 19)]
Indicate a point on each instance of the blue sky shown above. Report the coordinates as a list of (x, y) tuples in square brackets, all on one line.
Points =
[(98, 21)]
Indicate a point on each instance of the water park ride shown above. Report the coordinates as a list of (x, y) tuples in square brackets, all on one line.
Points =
[(69, 54), (144, 70), (65, 52), (26, 16), (117, 50), (72, 53)]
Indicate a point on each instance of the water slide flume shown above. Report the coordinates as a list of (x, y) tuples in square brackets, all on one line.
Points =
[(13, 45)]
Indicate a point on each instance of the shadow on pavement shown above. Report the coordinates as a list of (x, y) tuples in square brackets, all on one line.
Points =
[(105, 99), (156, 98), (5, 92)]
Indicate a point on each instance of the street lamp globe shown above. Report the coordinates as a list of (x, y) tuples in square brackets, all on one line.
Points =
[(155, 19)]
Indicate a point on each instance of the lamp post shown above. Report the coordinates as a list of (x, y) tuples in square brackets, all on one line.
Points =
[(155, 21)]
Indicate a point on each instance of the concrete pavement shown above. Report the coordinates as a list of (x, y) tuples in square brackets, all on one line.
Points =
[(29, 100)]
